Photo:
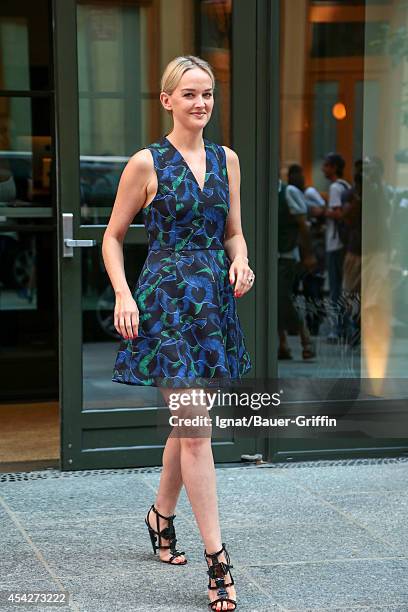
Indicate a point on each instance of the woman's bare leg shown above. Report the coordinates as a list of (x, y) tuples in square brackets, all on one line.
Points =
[(168, 492), (170, 478), (199, 478)]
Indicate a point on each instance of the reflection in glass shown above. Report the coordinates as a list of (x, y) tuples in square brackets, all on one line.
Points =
[(326, 94), (384, 264), (18, 287), (119, 67), (28, 333), (24, 45), (342, 99), (100, 338), (122, 51), (343, 39), (25, 152)]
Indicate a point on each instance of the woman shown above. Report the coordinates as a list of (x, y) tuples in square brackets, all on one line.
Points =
[(180, 328)]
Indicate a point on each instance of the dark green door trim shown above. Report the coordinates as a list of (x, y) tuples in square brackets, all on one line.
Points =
[(269, 136), (260, 133), (68, 197), (267, 155), (244, 86), (256, 130)]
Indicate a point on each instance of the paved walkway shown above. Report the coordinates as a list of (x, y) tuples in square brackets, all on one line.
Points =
[(314, 536)]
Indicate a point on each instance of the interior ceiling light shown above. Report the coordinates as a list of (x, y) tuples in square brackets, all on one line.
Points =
[(339, 111)]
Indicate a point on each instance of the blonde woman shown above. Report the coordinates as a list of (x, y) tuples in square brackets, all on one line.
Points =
[(180, 328)]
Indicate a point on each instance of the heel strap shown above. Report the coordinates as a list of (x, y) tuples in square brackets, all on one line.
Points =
[(168, 533), (172, 516), (212, 555)]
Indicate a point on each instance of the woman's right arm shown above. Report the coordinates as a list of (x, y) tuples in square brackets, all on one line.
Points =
[(130, 198)]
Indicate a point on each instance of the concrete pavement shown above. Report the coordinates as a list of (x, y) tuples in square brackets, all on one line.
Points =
[(325, 535)]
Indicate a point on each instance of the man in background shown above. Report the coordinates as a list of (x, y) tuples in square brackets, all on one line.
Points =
[(333, 169)]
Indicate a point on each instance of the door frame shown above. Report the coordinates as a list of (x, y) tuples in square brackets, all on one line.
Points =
[(75, 421)]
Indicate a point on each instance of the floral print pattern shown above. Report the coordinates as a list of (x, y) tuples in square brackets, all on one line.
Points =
[(189, 331)]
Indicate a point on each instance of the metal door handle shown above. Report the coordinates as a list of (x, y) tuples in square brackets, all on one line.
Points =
[(79, 243), (69, 242)]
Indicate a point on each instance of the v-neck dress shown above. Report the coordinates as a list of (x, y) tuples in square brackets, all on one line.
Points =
[(189, 331)]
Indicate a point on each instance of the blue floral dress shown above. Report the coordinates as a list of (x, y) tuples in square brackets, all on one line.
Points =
[(189, 332)]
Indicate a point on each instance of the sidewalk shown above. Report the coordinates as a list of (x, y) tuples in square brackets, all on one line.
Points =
[(328, 535)]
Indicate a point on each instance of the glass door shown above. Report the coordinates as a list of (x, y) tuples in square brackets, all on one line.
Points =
[(28, 240), (28, 275), (343, 138), (108, 108)]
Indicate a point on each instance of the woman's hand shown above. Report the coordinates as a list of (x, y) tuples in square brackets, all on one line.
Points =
[(241, 274), (126, 316)]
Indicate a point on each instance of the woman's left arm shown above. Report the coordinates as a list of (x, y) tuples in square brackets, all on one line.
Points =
[(234, 241)]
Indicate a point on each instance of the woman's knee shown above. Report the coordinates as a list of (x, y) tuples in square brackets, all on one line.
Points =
[(195, 445)]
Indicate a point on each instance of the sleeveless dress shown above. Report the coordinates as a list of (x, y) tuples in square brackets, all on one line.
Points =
[(189, 332)]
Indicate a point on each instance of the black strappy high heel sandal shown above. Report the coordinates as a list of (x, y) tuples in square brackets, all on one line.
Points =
[(168, 533), (217, 571)]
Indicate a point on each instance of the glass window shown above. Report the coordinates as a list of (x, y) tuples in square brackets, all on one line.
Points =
[(25, 152), (343, 206), (326, 94), (28, 277), (24, 46), (122, 51), (346, 39)]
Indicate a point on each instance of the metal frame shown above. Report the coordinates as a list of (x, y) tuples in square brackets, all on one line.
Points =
[(67, 186)]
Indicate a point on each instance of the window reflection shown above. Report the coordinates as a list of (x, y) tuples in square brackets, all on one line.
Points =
[(25, 152), (100, 338), (122, 51), (343, 196), (25, 201), (24, 46), (28, 337)]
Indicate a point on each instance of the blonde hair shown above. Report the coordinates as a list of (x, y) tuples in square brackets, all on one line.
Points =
[(178, 66)]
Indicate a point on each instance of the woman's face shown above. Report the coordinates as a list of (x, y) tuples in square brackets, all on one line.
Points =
[(192, 101)]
